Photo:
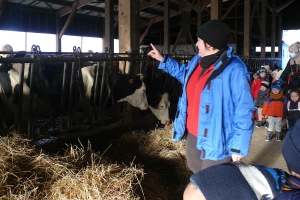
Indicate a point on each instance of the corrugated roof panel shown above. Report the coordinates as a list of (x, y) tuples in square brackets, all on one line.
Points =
[(148, 15), (100, 5), (14, 1), (56, 7), (157, 7), (41, 5), (24, 2), (95, 14)]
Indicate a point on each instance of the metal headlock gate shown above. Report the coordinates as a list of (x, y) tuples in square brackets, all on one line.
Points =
[(76, 61), (254, 63), (73, 62)]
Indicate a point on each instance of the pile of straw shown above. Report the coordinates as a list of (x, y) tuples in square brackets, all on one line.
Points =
[(139, 165), (26, 173), (163, 161)]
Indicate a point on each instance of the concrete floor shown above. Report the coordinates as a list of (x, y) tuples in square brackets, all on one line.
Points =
[(265, 153)]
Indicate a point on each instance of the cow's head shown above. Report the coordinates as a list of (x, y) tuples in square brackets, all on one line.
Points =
[(161, 111), (138, 98)]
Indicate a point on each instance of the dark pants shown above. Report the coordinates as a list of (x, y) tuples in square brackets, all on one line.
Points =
[(291, 124), (193, 156)]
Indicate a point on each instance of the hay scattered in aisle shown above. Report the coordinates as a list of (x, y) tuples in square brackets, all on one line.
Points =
[(139, 165)]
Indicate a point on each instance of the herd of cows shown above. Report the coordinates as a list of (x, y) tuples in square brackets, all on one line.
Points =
[(29, 91)]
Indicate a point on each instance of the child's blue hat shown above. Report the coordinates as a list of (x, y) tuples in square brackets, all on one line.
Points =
[(277, 85)]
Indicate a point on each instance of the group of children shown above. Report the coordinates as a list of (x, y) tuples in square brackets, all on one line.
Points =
[(271, 103)]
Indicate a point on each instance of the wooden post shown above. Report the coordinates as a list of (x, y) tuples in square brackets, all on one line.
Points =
[(129, 33), (199, 14), (167, 26), (246, 27), (263, 27), (273, 28), (109, 26), (216, 9)]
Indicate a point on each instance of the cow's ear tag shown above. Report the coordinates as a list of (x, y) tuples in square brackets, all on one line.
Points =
[(130, 81)]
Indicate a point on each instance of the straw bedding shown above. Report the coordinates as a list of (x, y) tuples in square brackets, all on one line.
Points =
[(139, 165)]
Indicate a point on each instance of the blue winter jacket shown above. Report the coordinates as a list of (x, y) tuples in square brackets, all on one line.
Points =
[(292, 185), (225, 123)]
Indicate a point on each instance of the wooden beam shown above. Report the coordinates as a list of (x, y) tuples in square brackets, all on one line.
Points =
[(285, 4), (109, 26), (175, 12), (247, 4), (73, 10), (229, 9), (273, 28), (263, 27), (66, 10), (146, 4), (199, 13), (215, 9), (167, 26), (145, 32)]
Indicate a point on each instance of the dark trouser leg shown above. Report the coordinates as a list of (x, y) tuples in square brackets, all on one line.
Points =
[(193, 156), (291, 124)]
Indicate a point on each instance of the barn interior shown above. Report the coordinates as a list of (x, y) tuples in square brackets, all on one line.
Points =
[(168, 24), (136, 23)]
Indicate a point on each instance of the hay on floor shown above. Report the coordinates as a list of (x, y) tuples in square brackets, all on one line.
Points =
[(138, 167), (26, 173)]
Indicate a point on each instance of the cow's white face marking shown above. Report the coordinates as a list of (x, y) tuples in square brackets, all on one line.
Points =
[(162, 110), (138, 98)]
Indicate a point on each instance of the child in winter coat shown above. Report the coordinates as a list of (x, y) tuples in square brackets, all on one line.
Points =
[(259, 76), (292, 108), (264, 92), (273, 110)]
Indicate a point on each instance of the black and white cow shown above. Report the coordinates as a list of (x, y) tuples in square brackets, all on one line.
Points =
[(123, 87), (131, 88), (10, 92), (158, 99)]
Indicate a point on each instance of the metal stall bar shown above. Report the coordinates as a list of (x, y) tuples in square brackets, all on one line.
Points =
[(101, 104), (63, 97), (96, 88), (70, 111), (32, 83), (21, 78)]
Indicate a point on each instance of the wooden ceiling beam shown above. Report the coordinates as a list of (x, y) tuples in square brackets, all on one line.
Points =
[(176, 12), (285, 4), (66, 10), (70, 17), (146, 4)]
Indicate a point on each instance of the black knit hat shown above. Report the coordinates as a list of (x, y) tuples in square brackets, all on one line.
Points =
[(265, 83), (214, 33), (291, 148), (249, 182)]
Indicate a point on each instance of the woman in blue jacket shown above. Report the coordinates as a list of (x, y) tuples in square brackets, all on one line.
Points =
[(215, 107)]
